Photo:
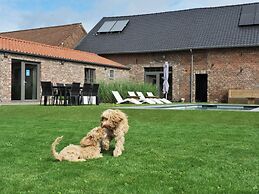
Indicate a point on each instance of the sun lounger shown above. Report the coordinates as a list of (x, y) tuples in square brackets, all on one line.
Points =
[(132, 95), (164, 100), (119, 99), (141, 98), (148, 100)]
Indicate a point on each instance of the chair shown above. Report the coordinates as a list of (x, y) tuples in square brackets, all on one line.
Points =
[(164, 100), (86, 93), (95, 93), (143, 99), (119, 99), (75, 93), (140, 97), (60, 93), (132, 95), (47, 91)]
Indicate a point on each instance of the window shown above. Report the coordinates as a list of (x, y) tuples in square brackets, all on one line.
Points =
[(111, 74), (89, 75)]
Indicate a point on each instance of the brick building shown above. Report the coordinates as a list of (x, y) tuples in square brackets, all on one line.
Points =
[(63, 35), (210, 50), (23, 64)]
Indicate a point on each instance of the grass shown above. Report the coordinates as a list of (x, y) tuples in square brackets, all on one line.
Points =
[(122, 87), (166, 152)]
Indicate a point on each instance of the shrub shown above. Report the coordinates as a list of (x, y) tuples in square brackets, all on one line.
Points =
[(105, 89)]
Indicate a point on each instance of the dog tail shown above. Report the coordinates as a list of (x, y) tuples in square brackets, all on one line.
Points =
[(53, 148)]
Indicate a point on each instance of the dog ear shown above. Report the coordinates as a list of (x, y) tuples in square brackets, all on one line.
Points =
[(87, 141), (117, 118)]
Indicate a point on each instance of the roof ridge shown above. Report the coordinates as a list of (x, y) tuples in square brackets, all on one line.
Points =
[(39, 28), (182, 10), (45, 45)]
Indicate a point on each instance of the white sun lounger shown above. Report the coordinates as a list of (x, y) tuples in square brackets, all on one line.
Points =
[(119, 99), (164, 100), (140, 97), (132, 94), (148, 100)]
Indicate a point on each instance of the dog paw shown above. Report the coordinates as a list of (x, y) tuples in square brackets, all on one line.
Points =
[(117, 153), (105, 147)]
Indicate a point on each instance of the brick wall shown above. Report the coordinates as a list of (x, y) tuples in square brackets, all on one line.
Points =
[(226, 69), (54, 71), (74, 38)]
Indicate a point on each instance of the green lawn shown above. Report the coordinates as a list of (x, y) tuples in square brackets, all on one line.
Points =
[(167, 151)]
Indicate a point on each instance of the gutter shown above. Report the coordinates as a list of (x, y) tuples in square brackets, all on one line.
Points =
[(175, 49), (191, 76)]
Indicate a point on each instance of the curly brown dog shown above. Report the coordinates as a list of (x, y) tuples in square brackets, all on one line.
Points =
[(116, 124), (75, 153)]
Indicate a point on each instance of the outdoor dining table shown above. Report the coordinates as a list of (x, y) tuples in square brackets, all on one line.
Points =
[(67, 89)]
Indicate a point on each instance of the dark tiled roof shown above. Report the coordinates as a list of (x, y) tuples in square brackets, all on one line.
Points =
[(53, 35), (215, 27)]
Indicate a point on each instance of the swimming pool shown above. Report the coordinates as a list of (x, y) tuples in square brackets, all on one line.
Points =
[(229, 107)]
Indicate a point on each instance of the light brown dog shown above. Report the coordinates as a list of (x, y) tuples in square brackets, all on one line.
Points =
[(75, 153), (116, 124)]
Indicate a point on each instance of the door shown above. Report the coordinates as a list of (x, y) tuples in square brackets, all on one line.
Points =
[(201, 81), (30, 82), (154, 75), (16, 81), (25, 81)]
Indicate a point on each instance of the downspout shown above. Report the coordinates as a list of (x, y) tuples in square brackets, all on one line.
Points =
[(191, 75)]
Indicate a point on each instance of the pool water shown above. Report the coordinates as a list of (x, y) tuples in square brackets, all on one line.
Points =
[(202, 107), (213, 107)]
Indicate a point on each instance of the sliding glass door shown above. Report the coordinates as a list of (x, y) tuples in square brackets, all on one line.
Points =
[(25, 80)]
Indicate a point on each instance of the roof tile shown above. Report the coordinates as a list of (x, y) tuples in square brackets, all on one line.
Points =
[(42, 50), (52, 35)]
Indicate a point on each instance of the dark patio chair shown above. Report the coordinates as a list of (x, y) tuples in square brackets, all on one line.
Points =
[(87, 93), (47, 92), (68, 85), (60, 93), (74, 93), (95, 92)]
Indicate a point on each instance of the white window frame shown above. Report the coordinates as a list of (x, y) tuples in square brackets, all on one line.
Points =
[(111, 74)]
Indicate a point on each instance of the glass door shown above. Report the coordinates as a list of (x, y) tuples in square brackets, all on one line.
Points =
[(31, 78), (25, 80)]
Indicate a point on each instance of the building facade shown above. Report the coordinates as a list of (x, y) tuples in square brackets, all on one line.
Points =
[(210, 50), (24, 64), (200, 75)]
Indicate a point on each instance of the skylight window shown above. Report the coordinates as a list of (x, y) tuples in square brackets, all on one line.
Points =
[(113, 26), (249, 15)]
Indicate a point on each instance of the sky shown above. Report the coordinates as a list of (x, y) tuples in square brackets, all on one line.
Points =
[(27, 14)]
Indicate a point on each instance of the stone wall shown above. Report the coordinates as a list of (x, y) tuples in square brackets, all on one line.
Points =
[(5, 78), (56, 71), (226, 69)]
